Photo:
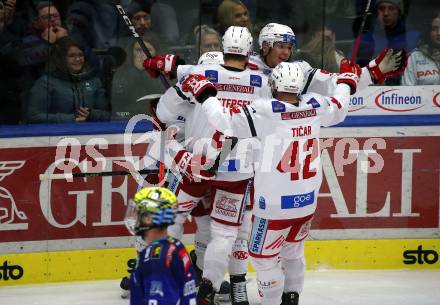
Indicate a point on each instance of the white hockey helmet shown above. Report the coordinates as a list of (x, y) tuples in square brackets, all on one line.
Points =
[(275, 32), (237, 40), (211, 58), (287, 77)]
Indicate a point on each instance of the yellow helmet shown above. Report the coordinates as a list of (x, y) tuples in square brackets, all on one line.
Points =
[(151, 207)]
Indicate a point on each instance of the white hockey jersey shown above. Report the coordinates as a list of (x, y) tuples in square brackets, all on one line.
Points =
[(421, 70), (316, 80), (288, 168), (235, 89)]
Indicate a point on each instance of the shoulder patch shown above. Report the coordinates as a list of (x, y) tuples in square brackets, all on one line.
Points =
[(314, 103), (278, 106), (212, 75), (256, 80), (155, 251)]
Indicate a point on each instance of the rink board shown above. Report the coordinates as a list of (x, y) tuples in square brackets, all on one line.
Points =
[(66, 266)]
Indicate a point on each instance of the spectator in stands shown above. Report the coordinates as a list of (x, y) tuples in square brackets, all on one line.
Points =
[(9, 9), (424, 62), (164, 22), (207, 39), (139, 14), (233, 12), (69, 92), (321, 51), (131, 82), (10, 85), (46, 30), (390, 31)]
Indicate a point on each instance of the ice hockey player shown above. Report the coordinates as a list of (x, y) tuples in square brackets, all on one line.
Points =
[(289, 176), (230, 222), (163, 274), (277, 43)]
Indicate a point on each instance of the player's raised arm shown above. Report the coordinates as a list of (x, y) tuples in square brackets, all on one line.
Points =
[(337, 104)]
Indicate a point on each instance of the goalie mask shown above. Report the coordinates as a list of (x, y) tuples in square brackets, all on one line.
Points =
[(152, 207), (275, 32), (237, 40), (287, 77)]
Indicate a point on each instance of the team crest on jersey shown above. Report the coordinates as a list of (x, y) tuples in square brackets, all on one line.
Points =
[(278, 106), (314, 103), (256, 80), (212, 75)]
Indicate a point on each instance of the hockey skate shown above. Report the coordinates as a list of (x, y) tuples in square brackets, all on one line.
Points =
[(125, 286), (290, 298), (223, 295), (238, 290), (205, 295)]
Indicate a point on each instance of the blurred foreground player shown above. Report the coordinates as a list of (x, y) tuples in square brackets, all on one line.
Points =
[(163, 274)]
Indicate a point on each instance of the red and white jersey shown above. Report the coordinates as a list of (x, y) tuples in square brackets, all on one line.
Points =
[(235, 89), (288, 167), (316, 80)]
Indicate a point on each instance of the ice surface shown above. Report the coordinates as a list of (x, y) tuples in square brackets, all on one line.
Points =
[(321, 288)]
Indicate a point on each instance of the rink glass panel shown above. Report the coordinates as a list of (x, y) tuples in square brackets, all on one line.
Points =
[(73, 230)]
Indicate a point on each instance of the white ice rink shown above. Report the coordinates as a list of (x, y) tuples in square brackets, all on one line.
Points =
[(321, 288)]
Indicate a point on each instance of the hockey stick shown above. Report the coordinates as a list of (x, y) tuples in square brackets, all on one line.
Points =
[(358, 38), (97, 174), (162, 77)]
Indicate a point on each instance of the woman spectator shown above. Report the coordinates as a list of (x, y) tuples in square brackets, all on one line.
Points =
[(424, 62), (131, 82), (70, 92), (233, 12)]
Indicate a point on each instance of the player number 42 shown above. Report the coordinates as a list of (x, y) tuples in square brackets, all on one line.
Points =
[(290, 162)]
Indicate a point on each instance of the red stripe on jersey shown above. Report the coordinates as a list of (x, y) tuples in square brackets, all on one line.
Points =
[(336, 102), (185, 259), (276, 244), (252, 66), (169, 256)]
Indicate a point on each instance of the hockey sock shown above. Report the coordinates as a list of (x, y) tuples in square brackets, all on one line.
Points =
[(270, 280)]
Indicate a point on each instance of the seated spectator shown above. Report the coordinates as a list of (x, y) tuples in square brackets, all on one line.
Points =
[(424, 62), (69, 92), (390, 31), (233, 12), (131, 82), (321, 51), (207, 40)]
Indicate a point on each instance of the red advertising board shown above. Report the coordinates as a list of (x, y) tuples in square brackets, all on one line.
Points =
[(391, 182)]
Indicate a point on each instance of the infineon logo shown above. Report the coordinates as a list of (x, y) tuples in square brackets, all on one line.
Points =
[(436, 100), (356, 103), (398, 103)]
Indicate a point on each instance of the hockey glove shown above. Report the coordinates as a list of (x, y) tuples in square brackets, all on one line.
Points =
[(346, 66), (157, 64), (350, 79), (192, 166), (387, 65), (199, 86)]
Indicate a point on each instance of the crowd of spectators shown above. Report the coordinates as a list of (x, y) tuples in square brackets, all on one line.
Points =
[(76, 61)]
